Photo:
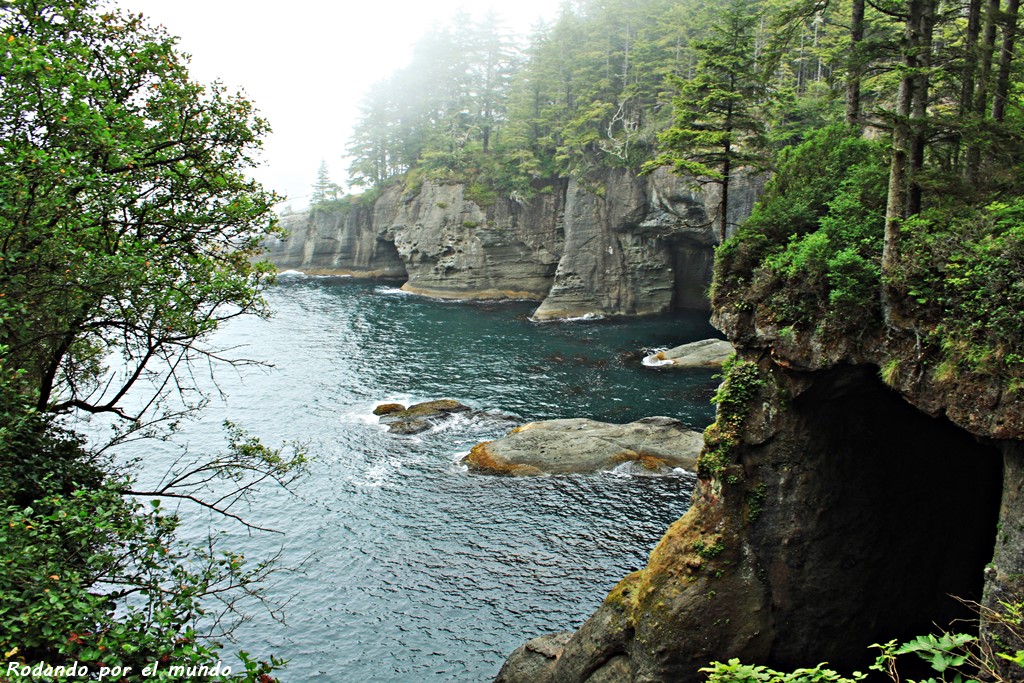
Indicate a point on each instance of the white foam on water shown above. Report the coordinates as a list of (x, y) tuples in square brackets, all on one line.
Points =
[(387, 290), (379, 473), (585, 318)]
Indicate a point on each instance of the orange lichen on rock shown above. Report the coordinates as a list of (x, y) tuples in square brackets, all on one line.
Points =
[(388, 408), (481, 459)]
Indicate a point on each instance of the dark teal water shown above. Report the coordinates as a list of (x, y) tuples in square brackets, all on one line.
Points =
[(409, 567)]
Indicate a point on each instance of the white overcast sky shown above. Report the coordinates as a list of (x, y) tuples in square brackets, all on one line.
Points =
[(307, 63)]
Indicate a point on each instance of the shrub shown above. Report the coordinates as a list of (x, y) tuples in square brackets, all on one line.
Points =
[(811, 248)]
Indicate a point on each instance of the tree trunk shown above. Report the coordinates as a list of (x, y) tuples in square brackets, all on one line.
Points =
[(856, 66), (988, 46), (919, 107), (897, 203), (723, 206), (979, 106), (911, 103), (1005, 60), (970, 56)]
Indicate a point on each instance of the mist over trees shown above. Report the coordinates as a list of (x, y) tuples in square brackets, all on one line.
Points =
[(615, 83)]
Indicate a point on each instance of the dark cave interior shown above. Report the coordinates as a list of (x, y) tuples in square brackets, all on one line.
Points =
[(892, 521)]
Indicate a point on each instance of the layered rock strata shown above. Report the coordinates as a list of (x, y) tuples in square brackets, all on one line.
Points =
[(343, 242), (640, 244), (616, 244)]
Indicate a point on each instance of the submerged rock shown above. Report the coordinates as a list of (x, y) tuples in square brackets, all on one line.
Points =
[(418, 417), (580, 445), (707, 353)]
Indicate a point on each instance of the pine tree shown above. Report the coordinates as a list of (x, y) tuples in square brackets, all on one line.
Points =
[(323, 189), (717, 129)]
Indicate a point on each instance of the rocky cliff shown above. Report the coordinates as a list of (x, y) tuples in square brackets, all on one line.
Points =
[(834, 508), (831, 513), (617, 244)]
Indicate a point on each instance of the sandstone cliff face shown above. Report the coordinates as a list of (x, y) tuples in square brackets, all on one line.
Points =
[(344, 242), (616, 245), (454, 249), (641, 245)]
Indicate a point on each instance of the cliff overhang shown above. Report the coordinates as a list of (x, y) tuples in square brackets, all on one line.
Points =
[(832, 511), (863, 481)]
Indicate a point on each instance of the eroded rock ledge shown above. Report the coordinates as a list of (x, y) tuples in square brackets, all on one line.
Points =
[(578, 445)]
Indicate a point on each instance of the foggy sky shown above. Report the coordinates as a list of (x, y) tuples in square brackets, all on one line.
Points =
[(307, 63)]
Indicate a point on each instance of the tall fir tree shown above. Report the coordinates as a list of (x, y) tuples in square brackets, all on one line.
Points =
[(324, 189), (717, 128)]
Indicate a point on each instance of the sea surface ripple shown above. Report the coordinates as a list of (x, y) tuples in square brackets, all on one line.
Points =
[(404, 566)]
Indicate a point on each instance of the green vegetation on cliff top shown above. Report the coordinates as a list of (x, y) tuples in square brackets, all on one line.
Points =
[(597, 88), (893, 132)]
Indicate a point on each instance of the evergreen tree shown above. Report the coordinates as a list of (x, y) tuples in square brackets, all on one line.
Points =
[(717, 128), (372, 147), (494, 63), (324, 189)]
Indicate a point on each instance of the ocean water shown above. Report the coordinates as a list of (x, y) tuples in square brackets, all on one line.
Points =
[(399, 564)]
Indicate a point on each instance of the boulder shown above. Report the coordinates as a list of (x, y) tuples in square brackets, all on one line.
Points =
[(388, 408), (578, 445), (418, 417), (707, 353), (534, 660)]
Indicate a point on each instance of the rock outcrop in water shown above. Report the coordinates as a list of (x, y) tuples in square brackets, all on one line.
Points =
[(656, 444), (418, 417), (706, 353), (618, 244)]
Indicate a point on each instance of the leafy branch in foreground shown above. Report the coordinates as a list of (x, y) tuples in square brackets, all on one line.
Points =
[(128, 227), (129, 231), (953, 657), (222, 482), (92, 577)]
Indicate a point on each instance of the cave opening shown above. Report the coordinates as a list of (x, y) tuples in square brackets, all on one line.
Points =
[(392, 267), (892, 519), (692, 266)]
